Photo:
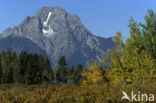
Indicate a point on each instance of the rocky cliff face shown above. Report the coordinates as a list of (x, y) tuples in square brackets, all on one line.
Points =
[(57, 33)]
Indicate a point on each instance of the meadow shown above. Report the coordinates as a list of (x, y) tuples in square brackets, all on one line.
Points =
[(70, 93)]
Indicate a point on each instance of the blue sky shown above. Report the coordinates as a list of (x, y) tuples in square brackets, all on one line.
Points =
[(101, 17)]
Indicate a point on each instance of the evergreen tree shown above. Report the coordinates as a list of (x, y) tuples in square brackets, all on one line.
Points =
[(77, 73), (18, 77), (72, 69), (62, 61), (30, 72), (41, 66), (48, 74), (24, 62), (72, 73), (61, 74), (28, 76), (0, 67), (37, 70), (7, 68)]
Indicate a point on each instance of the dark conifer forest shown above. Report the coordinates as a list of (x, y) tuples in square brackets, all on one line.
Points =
[(35, 69)]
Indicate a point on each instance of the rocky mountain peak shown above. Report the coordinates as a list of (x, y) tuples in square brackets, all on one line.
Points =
[(60, 34)]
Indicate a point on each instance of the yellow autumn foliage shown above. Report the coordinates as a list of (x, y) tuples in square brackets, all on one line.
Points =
[(92, 75), (129, 62)]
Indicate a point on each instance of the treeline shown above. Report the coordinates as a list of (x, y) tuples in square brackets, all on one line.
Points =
[(35, 69)]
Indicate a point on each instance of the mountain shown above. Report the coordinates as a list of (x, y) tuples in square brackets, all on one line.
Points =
[(54, 32), (19, 44)]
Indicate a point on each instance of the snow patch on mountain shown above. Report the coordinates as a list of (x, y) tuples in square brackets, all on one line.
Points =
[(46, 22), (48, 31)]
